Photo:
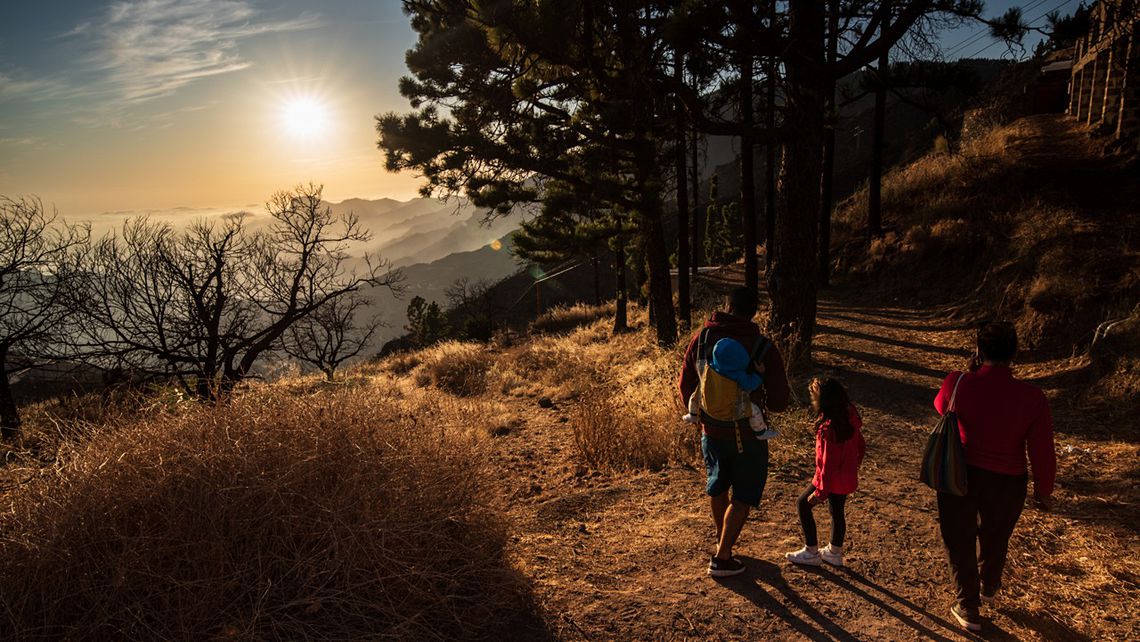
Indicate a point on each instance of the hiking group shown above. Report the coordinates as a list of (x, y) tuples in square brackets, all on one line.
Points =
[(732, 374)]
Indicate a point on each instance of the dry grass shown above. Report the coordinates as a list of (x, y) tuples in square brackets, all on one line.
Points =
[(277, 516), (625, 413), (402, 363), (455, 367), (610, 434), (567, 318)]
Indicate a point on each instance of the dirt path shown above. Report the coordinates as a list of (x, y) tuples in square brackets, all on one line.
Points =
[(616, 556)]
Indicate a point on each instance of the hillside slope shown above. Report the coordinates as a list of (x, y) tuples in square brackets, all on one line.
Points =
[(1030, 222)]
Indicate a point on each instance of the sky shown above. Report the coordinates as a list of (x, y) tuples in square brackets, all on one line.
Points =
[(135, 105)]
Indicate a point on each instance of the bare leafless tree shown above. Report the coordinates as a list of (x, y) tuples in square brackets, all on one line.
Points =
[(35, 278), (331, 336), (204, 304)]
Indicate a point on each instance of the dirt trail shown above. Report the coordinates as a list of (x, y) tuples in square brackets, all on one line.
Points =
[(622, 556)]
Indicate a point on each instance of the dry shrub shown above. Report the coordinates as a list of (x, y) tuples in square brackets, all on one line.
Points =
[(613, 432), (882, 247), (455, 367), (50, 425), (950, 233), (916, 239), (1116, 355), (402, 363), (567, 318), (626, 413), (272, 517)]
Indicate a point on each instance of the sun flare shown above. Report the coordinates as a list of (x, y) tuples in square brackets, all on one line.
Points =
[(305, 117)]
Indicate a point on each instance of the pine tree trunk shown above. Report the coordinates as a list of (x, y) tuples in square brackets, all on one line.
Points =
[(826, 188), (683, 310), (656, 257), (597, 279), (695, 174), (747, 165), (9, 412), (878, 136), (793, 281), (770, 161), (621, 314)]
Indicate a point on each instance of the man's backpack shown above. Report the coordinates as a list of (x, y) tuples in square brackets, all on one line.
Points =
[(723, 403)]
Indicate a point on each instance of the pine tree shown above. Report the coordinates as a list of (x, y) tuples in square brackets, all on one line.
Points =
[(427, 324)]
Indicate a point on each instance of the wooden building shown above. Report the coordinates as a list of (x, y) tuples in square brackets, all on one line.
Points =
[(1104, 89)]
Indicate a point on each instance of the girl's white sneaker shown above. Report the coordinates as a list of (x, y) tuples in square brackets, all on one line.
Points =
[(805, 557), (832, 555)]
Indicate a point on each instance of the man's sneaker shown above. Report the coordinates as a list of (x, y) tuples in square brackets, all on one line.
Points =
[(968, 618), (805, 557), (988, 595), (832, 555), (725, 568)]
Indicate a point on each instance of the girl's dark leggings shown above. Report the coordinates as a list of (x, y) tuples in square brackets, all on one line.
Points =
[(838, 521)]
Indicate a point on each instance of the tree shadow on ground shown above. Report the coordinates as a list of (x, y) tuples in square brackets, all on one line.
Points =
[(922, 621), (917, 323), (885, 362), (1049, 628), (751, 586), (890, 602), (823, 328)]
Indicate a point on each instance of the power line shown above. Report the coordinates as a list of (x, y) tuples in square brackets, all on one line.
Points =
[(1029, 24), (985, 32)]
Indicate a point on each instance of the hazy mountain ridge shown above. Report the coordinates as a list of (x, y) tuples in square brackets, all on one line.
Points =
[(432, 279)]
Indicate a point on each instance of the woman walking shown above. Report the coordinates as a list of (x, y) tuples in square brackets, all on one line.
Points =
[(1000, 419)]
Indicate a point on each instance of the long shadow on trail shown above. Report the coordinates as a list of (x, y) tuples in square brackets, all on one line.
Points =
[(887, 313), (896, 606), (918, 325), (822, 329), (885, 362), (751, 587)]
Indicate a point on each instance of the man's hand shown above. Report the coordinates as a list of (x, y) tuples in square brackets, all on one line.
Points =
[(814, 499), (1043, 503)]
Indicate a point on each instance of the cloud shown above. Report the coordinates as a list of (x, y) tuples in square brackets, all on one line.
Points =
[(22, 141), (151, 48), (12, 87)]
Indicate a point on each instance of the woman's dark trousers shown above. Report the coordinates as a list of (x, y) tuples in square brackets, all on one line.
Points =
[(987, 513)]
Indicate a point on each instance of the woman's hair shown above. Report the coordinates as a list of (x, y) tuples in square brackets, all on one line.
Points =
[(997, 340), (835, 407)]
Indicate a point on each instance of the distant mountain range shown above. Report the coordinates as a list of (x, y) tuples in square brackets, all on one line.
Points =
[(423, 230), (431, 281)]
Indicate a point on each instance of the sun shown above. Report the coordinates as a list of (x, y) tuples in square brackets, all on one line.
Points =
[(305, 117)]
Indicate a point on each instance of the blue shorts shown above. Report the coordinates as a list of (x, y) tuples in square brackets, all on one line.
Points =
[(745, 473)]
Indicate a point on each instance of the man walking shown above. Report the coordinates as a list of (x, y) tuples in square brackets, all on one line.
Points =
[(735, 459), (999, 419)]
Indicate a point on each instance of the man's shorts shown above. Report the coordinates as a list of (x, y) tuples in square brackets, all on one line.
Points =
[(745, 473)]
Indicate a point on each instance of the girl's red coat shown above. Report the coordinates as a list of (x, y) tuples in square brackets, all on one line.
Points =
[(837, 464)]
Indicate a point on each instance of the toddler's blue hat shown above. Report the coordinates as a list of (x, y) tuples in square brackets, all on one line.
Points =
[(730, 359)]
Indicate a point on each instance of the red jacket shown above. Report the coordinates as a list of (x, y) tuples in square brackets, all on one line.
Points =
[(837, 463), (1000, 418), (772, 396)]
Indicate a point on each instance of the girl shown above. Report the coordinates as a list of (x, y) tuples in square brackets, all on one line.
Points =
[(839, 449)]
